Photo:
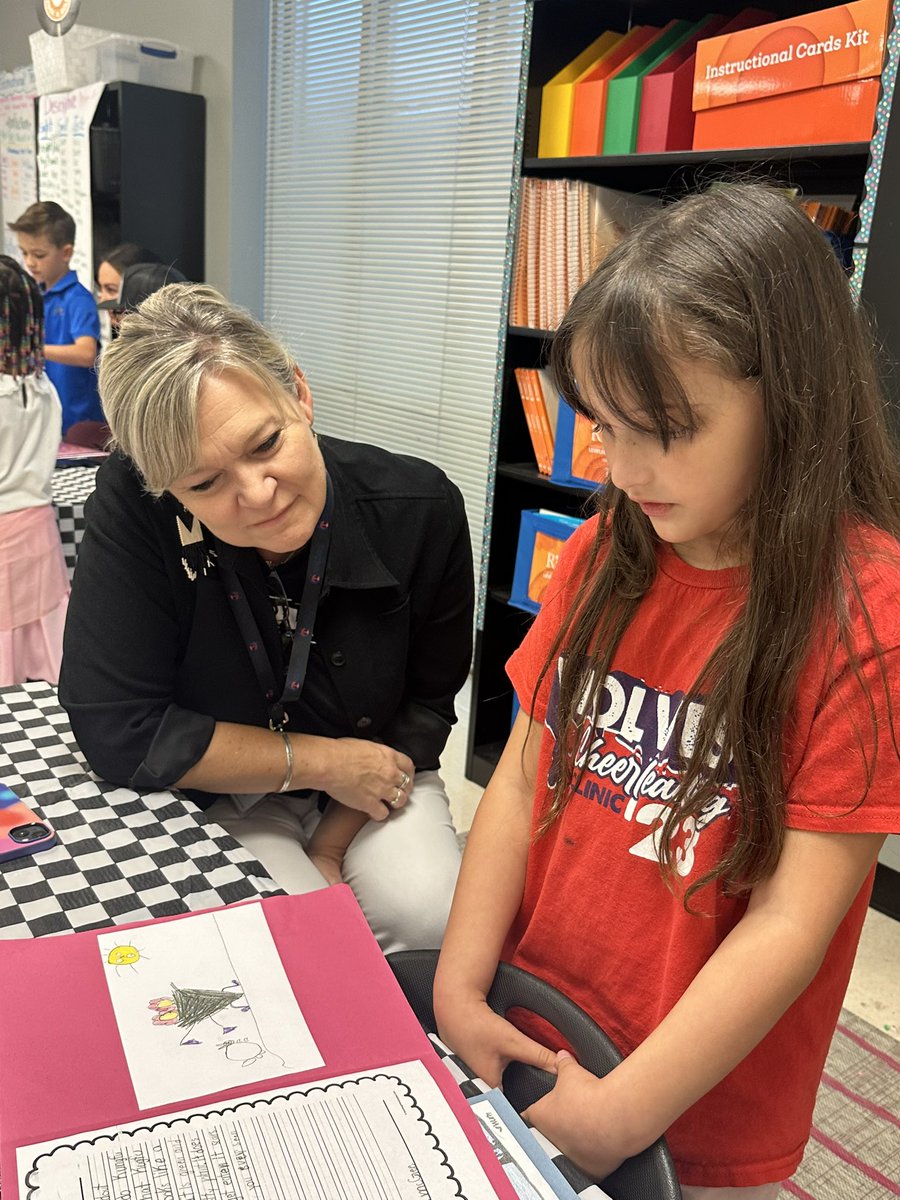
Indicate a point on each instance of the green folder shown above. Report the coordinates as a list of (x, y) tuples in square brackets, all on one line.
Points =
[(623, 97)]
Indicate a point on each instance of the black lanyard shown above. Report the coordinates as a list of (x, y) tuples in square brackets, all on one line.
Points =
[(309, 602)]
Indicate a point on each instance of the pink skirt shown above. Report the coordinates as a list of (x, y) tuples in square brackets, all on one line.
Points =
[(34, 596)]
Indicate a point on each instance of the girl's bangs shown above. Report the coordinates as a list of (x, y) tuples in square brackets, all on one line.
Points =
[(621, 361)]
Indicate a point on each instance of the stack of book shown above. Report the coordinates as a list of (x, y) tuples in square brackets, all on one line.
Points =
[(837, 222), (567, 447), (829, 216), (540, 403), (566, 227)]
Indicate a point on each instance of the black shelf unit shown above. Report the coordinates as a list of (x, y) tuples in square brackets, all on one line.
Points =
[(148, 176), (560, 30)]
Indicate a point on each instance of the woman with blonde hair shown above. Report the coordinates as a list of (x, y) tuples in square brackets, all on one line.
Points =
[(275, 622)]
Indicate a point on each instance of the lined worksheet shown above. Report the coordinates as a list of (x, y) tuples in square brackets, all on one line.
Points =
[(379, 1135)]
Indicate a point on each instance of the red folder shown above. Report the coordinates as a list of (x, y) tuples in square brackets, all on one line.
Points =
[(63, 1070), (667, 116)]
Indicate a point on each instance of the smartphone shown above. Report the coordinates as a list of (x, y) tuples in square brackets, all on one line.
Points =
[(21, 830)]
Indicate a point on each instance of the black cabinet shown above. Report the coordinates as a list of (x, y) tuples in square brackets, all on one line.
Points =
[(559, 31), (148, 149)]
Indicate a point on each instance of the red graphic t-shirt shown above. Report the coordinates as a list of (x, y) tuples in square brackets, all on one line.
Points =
[(597, 920)]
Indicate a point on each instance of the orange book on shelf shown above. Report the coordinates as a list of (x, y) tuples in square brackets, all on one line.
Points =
[(589, 105), (588, 455), (538, 242), (542, 452), (546, 412), (557, 301), (518, 303), (544, 558)]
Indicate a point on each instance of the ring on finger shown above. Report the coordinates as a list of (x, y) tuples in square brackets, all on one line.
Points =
[(397, 798), (404, 782)]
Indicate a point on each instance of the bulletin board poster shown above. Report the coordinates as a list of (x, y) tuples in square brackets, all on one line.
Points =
[(64, 164), (18, 162)]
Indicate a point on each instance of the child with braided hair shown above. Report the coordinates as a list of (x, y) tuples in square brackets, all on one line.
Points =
[(34, 587)]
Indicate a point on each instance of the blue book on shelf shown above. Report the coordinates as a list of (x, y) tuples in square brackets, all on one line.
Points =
[(578, 456), (541, 538)]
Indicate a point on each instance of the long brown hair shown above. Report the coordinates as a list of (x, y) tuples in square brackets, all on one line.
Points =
[(738, 277)]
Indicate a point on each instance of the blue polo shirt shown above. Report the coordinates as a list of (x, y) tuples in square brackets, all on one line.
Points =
[(70, 312)]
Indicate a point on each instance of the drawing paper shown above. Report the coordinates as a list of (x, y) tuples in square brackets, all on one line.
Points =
[(203, 1004)]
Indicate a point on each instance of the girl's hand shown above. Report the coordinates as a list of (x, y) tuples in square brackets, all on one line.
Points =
[(581, 1118), (367, 776), (328, 865), (487, 1042)]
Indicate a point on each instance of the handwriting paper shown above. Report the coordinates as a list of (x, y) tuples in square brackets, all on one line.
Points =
[(18, 162), (203, 1004), (386, 1134), (64, 164)]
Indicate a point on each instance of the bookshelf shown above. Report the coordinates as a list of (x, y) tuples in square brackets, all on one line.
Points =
[(140, 135), (556, 30)]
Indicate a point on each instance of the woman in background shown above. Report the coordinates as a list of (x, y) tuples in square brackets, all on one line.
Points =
[(113, 265)]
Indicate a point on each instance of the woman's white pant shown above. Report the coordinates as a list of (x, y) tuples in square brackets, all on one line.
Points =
[(401, 870)]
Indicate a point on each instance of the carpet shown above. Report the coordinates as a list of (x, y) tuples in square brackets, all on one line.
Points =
[(854, 1150)]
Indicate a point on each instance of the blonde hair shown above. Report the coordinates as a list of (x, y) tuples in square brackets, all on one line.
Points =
[(151, 375)]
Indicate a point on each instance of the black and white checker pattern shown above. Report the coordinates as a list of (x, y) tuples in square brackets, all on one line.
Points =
[(470, 1085), (124, 855), (71, 486)]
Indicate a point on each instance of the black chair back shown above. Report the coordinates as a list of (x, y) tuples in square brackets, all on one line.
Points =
[(649, 1175)]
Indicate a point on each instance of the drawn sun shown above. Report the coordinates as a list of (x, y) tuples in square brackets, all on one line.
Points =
[(123, 956)]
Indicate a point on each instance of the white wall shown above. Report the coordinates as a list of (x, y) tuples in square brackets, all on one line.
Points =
[(204, 27)]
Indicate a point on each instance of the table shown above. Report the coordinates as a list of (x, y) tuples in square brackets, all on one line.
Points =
[(71, 486), (123, 855)]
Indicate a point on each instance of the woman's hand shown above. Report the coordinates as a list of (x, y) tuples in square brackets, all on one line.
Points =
[(367, 776), (487, 1042), (581, 1118)]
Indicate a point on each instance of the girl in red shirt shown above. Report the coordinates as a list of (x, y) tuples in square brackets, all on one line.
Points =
[(682, 831)]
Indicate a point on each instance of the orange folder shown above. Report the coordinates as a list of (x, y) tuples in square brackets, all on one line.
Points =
[(589, 106)]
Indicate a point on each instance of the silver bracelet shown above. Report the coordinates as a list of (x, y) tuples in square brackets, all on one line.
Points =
[(288, 761)]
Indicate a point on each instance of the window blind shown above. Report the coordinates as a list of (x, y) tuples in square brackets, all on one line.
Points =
[(390, 164)]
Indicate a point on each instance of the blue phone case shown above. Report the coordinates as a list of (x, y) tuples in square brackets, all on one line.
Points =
[(21, 830)]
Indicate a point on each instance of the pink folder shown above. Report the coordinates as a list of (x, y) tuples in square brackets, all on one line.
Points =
[(62, 1068)]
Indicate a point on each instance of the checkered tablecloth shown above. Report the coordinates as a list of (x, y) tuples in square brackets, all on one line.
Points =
[(124, 855), (71, 486)]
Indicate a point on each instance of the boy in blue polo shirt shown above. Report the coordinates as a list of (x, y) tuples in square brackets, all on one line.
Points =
[(46, 234)]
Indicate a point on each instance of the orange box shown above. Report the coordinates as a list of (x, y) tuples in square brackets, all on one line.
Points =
[(806, 80), (589, 104)]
